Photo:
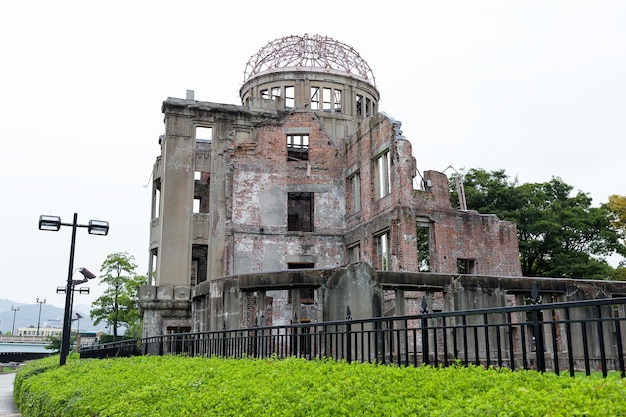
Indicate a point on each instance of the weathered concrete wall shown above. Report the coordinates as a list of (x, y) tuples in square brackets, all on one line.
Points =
[(371, 293), (166, 309), (354, 286), (173, 264)]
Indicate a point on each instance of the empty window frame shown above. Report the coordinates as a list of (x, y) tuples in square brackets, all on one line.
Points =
[(365, 106), (290, 101), (354, 253), (382, 168), (201, 192), (300, 212), (466, 266), (359, 105), (315, 98), (204, 133), (327, 102), (423, 247), (156, 199), (298, 147), (383, 260), (307, 296), (152, 265), (271, 93), (337, 94), (199, 258), (354, 193), (326, 99)]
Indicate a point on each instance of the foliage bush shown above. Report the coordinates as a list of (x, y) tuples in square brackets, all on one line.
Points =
[(181, 386)]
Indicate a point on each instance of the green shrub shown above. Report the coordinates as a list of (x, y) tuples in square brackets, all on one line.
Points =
[(180, 386)]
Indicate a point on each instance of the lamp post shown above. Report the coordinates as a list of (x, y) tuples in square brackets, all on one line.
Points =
[(77, 319), (15, 310), (94, 227), (40, 302)]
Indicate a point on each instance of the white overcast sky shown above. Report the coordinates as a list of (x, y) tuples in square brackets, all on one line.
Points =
[(537, 88)]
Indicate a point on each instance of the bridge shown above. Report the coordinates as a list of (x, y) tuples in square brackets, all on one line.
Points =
[(20, 350)]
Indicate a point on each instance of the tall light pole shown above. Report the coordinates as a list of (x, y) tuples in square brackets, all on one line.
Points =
[(40, 302), (15, 310), (95, 227)]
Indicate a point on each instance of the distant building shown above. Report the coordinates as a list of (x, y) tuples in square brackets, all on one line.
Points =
[(43, 331), (294, 204)]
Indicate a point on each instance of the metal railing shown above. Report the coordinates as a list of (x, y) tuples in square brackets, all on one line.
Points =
[(582, 336)]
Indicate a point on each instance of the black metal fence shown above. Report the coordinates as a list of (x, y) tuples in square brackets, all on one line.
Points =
[(582, 336)]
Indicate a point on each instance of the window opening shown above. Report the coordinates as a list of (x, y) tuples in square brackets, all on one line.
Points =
[(327, 99), (275, 93), (300, 212), (298, 147), (201, 192), (153, 262), (355, 193), (307, 296), (337, 101), (359, 105), (382, 168), (354, 253), (315, 98), (382, 251), (199, 257), (423, 247), (466, 266), (204, 133), (300, 265), (265, 94), (290, 97), (156, 199)]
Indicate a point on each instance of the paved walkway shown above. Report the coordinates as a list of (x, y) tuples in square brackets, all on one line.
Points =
[(7, 406)]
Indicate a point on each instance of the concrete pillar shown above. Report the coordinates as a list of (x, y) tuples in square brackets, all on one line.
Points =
[(174, 257)]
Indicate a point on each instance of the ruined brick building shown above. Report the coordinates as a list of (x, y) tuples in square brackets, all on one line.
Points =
[(303, 200)]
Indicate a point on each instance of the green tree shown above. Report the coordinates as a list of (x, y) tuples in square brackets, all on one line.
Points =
[(617, 205), (54, 342), (560, 233), (118, 305)]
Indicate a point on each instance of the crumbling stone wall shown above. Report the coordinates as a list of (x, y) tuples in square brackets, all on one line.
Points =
[(262, 177), (489, 244)]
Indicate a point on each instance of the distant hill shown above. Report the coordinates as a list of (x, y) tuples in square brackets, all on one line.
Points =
[(52, 316)]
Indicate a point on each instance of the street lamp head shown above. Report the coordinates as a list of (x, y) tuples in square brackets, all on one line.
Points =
[(86, 273), (98, 227), (52, 223)]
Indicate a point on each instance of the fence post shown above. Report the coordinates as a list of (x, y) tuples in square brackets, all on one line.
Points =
[(538, 330), (224, 341), (348, 335), (425, 356), (294, 336)]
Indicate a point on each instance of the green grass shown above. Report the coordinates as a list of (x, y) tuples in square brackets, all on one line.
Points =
[(180, 386)]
